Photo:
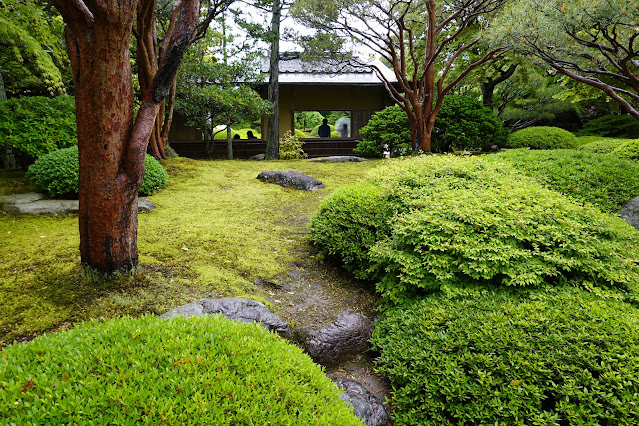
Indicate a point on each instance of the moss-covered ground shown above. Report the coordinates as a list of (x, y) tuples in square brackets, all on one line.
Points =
[(215, 231)]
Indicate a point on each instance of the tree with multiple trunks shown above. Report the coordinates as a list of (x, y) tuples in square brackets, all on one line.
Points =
[(595, 43), (111, 141), (420, 40)]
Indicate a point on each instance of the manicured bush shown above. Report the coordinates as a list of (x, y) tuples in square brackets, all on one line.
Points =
[(563, 357), (604, 180), (300, 134), (451, 220), (35, 126), (387, 130), (198, 370), (465, 124), (291, 147), (541, 137), (349, 222), (629, 149), (612, 125), (602, 146), (57, 174)]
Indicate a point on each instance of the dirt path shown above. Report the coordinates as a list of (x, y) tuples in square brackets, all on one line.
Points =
[(312, 293)]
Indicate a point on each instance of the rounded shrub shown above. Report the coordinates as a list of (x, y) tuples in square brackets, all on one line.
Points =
[(629, 149), (198, 370), (541, 137), (349, 222), (602, 146), (300, 134), (613, 126), (387, 130), (35, 126), (155, 177), (555, 358), (606, 181), (445, 220), (463, 123), (57, 174)]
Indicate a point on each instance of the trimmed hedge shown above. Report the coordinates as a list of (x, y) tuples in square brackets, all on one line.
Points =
[(613, 126), (629, 149), (493, 357), (35, 126), (198, 370), (606, 181), (463, 123), (57, 174), (387, 129), (603, 146), (437, 221), (541, 137)]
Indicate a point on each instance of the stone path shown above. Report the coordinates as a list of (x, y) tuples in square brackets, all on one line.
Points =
[(37, 203)]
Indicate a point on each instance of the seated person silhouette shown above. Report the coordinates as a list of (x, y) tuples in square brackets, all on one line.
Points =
[(250, 135), (324, 131), (236, 136)]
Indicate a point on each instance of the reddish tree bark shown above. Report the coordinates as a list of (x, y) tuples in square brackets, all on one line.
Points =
[(111, 146)]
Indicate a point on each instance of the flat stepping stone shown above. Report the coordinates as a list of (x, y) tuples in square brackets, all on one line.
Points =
[(338, 159), (233, 308), (291, 179), (37, 203)]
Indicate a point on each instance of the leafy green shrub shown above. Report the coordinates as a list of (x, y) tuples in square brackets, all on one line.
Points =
[(471, 220), (465, 124), (198, 370), (604, 180), (612, 125), (155, 177), (349, 222), (629, 149), (556, 358), (541, 137), (57, 173), (291, 147), (300, 134), (34, 126), (388, 130), (602, 146)]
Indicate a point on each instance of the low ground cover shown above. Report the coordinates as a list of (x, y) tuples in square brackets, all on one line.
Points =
[(215, 230), (198, 370)]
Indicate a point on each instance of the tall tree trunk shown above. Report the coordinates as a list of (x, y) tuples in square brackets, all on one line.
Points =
[(111, 146), (229, 143), (488, 87), (273, 132)]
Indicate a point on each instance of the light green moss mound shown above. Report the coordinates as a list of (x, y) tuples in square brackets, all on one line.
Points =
[(200, 370), (564, 357), (542, 137)]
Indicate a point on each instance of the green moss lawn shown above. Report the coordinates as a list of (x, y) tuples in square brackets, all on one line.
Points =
[(215, 230)]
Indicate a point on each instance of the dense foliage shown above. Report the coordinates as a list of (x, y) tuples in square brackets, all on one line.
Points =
[(602, 146), (291, 147), (629, 149), (612, 126), (472, 220), (307, 119), (542, 137), (34, 126), (604, 180), (558, 357), (387, 130), (57, 174), (464, 124), (198, 370)]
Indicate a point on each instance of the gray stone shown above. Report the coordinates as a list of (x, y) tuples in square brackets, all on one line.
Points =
[(365, 405), (630, 212), (338, 159), (233, 308), (258, 157), (37, 203), (291, 179), (341, 340)]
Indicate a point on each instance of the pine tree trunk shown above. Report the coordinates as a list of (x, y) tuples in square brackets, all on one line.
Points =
[(273, 132)]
